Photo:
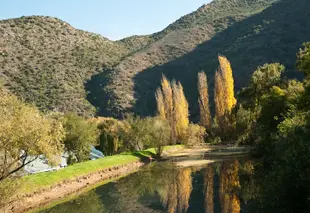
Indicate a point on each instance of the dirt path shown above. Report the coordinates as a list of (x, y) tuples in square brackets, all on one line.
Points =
[(62, 190)]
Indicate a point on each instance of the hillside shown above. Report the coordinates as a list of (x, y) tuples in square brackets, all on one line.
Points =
[(46, 61), (248, 32), (123, 87)]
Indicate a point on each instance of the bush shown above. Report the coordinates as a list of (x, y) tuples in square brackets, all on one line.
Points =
[(194, 135), (80, 135), (137, 137), (160, 133), (244, 126), (111, 135)]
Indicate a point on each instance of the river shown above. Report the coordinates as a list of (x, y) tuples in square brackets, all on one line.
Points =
[(225, 186)]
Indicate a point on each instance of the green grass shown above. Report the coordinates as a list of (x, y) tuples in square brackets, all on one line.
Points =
[(41, 180), (37, 182)]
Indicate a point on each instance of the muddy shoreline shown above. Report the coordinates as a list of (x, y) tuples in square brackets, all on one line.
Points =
[(66, 188)]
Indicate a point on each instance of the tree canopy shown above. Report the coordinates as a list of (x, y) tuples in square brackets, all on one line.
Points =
[(25, 134)]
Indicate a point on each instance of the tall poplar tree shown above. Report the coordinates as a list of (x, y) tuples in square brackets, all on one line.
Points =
[(224, 98), (203, 100), (160, 103), (167, 97), (173, 106), (180, 111), (227, 75)]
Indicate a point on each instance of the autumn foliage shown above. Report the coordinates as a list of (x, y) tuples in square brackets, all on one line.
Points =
[(229, 184), (177, 191), (173, 106), (208, 189), (180, 111), (205, 115), (224, 97), (160, 103)]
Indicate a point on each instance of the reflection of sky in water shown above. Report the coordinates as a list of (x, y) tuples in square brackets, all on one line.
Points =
[(222, 187)]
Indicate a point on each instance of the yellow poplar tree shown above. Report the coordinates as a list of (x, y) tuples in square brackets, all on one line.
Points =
[(164, 99), (205, 115), (227, 75), (180, 111), (173, 106), (167, 97), (160, 103), (224, 98), (219, 99)]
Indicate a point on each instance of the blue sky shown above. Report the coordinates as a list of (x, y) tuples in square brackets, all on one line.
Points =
[(114, 19)]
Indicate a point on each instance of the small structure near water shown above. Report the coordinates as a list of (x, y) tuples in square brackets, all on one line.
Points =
[(41, 164)]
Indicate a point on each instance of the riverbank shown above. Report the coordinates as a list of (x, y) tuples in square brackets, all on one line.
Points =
[(40, 189), (206, 154)]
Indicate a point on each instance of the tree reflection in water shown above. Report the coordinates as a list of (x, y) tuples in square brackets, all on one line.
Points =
[(208, 189), (229, 185), (175, 195), (162, 187)]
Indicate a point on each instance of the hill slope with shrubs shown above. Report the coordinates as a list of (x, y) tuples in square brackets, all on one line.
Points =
[(46, 61), (49, 63)]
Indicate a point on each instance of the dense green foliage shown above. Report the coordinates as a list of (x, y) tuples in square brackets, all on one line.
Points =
[(160, 134), (280, 130), (111, 135), (80, 135), (25, 134)]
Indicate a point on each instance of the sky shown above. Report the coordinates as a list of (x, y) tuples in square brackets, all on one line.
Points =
[(114, 19)]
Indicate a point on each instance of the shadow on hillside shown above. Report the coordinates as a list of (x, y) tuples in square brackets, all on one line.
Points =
[(274, 35), (100, 97)]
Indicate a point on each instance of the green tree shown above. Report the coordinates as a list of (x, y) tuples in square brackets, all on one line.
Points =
[(273, 106), (80, 135), (25, 134), (303, 59), (137, 135), (284, 121), (111, 135), (160, 134), (262, 80), (245, 126), (194, 135)]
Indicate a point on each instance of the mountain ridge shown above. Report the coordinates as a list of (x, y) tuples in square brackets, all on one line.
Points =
[(74, 70), (184, 37)]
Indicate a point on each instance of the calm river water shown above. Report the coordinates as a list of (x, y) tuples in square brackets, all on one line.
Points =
[(222, 187)]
